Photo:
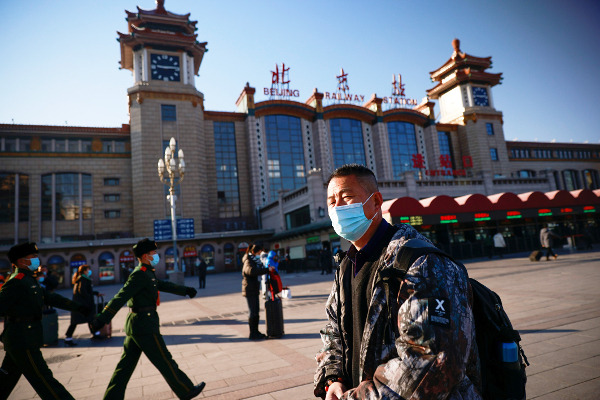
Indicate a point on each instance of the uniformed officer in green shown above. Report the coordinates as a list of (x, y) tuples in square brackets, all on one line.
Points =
[(21, 303), (140, 292)]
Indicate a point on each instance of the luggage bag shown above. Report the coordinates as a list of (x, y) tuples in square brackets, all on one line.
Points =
[(274, 320), (535, 255), (106, 330), (50, 327)]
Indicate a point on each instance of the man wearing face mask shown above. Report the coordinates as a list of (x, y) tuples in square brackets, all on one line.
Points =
[(141, 293), (21, 303), (380, 341)]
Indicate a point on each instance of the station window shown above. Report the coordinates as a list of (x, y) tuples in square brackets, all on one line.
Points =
[(110, 198), (494, 153), (109, 214), (168, 112), (111, 181)]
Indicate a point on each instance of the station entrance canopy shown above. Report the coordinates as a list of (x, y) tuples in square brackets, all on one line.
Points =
[(497, 207)]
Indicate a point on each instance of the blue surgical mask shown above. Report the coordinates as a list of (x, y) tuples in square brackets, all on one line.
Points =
[(34, 263), (349, 221), (89, 273), (41, 279), (155, 259)]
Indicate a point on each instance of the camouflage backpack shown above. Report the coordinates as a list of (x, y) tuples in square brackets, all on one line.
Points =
[(500, 380)]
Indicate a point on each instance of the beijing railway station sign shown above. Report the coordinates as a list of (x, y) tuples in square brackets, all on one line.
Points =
[(280, 89)]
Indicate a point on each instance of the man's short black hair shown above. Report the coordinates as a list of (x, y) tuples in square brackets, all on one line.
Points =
[(363, 173)]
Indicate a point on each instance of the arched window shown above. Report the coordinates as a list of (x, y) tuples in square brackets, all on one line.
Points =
[(56, 264), (229, 256), (347, 142), (106, 270), (285, 153), (403, 145), (170, 260)]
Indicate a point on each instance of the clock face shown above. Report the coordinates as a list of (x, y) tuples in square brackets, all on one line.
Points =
[(480, 97), (164, 67)]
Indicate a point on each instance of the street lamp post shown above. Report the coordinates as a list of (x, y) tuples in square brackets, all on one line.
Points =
[(170, 179)]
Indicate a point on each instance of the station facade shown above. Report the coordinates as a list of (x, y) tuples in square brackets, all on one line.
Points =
[(86, 194)]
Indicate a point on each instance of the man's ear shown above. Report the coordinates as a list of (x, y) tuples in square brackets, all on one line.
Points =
[(378, 199)]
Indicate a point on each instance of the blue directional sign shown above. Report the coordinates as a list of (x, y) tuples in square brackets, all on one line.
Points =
[(185, 228), (163, 231)]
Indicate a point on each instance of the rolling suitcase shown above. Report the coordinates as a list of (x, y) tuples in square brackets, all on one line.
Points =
[(274, 318), (49, 327), (106, 330), (535, 255)]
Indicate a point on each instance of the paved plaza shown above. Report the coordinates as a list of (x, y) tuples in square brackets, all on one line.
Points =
[(554, 304)]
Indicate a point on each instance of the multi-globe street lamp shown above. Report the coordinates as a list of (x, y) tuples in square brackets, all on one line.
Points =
[(172, 177)]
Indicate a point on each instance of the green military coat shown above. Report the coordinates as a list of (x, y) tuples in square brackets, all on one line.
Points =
[(140, 292), (22, 298)]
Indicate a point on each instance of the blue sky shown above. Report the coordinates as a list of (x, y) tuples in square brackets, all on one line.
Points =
[(60, 58)]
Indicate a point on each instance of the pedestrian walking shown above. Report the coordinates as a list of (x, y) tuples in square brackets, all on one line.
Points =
[(252, 269), (406, 337), (499, 244), (546, 236), (21, 303), (141, 293), (201, 269), (83, 293)]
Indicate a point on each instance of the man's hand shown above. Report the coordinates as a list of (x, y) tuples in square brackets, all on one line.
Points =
[(190, 291), (96, 324), (336, 390)]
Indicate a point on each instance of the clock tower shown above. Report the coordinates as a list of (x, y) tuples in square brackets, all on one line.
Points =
[(161, 51), (464, 92)]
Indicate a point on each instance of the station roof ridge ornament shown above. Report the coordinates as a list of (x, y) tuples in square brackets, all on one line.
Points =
[(160, 28), (462, 67), (160, 10)]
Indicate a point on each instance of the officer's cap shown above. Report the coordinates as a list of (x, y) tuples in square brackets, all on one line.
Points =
[(144, 246), (21, 250)]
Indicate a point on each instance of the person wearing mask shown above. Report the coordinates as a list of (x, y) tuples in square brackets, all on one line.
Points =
[(82, 293), (409, 338), (142, 327), (21, 303), (251, 270), (274, 279)]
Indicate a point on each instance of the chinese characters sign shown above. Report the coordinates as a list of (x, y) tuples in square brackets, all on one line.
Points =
[(418, 161), (280, 83)]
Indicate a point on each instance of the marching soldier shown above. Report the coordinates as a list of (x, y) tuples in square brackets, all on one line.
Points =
[(21, 302), (140, 292)]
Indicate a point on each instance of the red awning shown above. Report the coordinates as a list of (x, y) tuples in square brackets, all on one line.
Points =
[(473, 203)]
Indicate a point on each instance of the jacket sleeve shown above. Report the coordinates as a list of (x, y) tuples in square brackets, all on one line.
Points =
[(436, 333), (9, 294), (330, 357), (253, 269), (170, 287), (133, 285), (58, 301)]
